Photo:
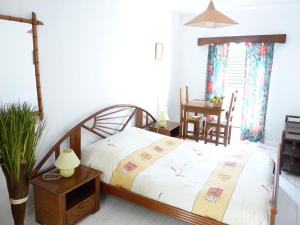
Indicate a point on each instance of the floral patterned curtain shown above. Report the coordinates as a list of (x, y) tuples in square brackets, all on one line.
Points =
[(216, 69), (259, 58)]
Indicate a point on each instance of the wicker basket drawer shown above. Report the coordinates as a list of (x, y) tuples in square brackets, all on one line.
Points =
[(81, 210)]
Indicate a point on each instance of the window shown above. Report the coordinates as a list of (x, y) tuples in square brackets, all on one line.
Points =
[(235, 78), (245, 67)]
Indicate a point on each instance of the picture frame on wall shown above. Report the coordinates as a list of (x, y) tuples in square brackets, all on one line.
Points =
[(159, 48)]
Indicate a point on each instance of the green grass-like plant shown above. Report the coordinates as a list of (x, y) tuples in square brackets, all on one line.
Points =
[(20, 132)]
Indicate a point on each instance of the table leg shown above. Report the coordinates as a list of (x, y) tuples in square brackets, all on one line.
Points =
[(205, 129), (218, 130)]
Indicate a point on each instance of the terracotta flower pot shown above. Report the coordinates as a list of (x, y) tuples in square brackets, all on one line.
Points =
[(18, 192)]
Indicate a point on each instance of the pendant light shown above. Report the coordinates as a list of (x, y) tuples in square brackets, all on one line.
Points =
[(211, 18)]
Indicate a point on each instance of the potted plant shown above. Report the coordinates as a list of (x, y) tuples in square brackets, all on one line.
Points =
[(217, 101), (20, 132)]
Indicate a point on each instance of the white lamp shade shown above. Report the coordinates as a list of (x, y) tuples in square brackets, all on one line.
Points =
[(67, 160), (162, 118), (211, 18)]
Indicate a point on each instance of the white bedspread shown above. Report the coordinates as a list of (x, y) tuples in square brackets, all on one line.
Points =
[(177, 178)]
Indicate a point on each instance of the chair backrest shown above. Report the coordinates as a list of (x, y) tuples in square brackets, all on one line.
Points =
[(184, 98), (229, 113)]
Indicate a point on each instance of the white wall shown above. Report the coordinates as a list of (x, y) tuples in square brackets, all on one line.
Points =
[(93, 54), (190, 60), (16, 46)]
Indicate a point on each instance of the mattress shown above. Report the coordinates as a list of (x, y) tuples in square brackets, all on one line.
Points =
[(230, 184)]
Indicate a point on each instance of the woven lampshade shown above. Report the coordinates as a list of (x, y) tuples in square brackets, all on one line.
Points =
[(211, 18)]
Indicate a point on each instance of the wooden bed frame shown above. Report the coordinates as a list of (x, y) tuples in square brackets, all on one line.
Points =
[(107, 122)]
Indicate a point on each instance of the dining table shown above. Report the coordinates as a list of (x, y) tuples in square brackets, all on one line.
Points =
[(205, 108)]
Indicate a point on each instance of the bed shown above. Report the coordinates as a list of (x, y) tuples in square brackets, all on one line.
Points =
[(194, 182)]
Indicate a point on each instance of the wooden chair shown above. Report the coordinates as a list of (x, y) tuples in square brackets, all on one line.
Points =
[(191, 118), (225, 126)]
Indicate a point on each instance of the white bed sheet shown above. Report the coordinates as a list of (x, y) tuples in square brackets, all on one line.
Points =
[(177, 178)]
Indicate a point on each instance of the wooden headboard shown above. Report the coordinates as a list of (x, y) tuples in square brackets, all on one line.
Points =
[(103, 123)]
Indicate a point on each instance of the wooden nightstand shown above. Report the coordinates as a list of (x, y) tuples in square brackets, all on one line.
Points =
[(67, 200), (171, 129)]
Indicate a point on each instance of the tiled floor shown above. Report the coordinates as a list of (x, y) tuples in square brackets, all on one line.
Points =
[(289, 200)]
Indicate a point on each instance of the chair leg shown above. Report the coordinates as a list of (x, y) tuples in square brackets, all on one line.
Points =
[(229, 135), (225, 137), (185, 127), (205, 133), (196, 131), (181, 130)]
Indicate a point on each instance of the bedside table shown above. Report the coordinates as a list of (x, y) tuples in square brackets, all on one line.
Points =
[(67, 200), (171, 129)]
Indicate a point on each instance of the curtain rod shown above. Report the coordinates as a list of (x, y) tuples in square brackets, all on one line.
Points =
[(277, 38)]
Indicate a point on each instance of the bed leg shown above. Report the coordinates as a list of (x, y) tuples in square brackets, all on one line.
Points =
[(273, 214), (275, 188)]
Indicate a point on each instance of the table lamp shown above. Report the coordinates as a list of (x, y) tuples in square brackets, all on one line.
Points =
[(66, 162), (162, 118)]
